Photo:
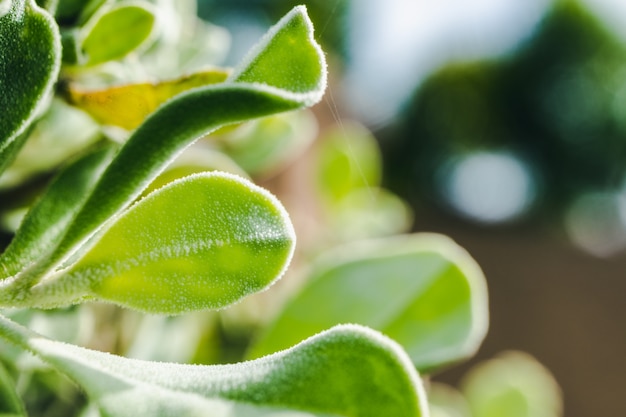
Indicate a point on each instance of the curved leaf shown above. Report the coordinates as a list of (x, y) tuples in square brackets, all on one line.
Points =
[(346, 371), (46, 220), (201, 242), (273, 61), (193, 114), (423, 291), (513, 384), (30, 48), (116, 32)]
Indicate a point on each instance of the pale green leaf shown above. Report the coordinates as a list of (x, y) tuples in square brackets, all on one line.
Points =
[(423, 291), (368, 212), (47, 219), (117, 31), (514, 384), (445, 401), (10, 403), (348, 158), (29, 63), (201, 242), (346, 371), (265, 146), (195, 113), (61, 133)]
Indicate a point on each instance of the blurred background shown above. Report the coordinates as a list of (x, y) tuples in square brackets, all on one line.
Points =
[(503, 125)]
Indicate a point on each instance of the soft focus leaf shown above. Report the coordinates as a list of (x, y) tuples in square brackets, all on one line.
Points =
[(445, 401), (10, 403), (201, 242), (369, 212), (47, 219), (127, 106), (116, 32), (61, 133), (513, 384), (345, 371), (195, 113), (348, 158), (423, 291), (265, 146), (29, 63)]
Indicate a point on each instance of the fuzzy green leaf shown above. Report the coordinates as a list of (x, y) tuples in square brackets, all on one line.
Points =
[(116, 32), (29, 63), (46, 220), (423, 291), (195, 113), (287, 58), (346, 371), (204, 241)]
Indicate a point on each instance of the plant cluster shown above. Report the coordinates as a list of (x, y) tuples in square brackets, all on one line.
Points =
[(114, 100)]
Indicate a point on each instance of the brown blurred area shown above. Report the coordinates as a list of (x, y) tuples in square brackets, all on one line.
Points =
[(554, 301)]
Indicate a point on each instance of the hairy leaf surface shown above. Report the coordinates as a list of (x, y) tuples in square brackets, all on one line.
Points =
[(29, 63), (204, 241), (423, 291), (192, 114), (46, 220), (347, 371)]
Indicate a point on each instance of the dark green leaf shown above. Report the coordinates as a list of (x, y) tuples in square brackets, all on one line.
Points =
[(46, 221), (30, 54), (10, 403)]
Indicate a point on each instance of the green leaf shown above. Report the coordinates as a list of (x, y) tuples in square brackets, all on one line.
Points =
[(513, 384), (201, 242), (287, 58), (10, 403), (47, 219), (423, 291), (346, 371), (29, 63), (193, 114), (116, 32)]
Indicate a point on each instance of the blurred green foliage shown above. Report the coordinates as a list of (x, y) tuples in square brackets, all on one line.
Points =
[(557, 102)]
